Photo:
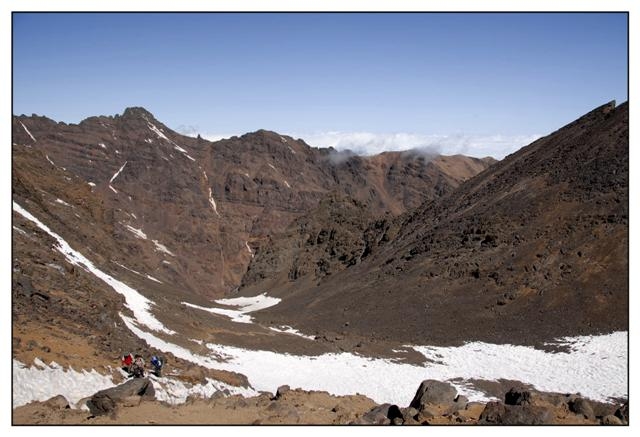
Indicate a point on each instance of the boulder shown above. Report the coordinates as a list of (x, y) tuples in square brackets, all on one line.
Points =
[(527, 415), (460, 403), (583, 407), (471, 413), (131, 401), (496, 413), (409, 413), (493, 413), (282, 390), (106, 401), (432, 392), (382, 414), (622, 413), (611, 420), (101, 404), (517, 396), (57, 403)]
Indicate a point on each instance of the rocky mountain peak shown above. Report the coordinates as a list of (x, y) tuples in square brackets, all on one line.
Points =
[(137, 112)]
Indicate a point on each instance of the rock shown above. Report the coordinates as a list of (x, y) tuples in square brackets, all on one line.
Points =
[(460, 403), (282, 390), (582, 406), (622, 413), (432, 392), (527, 415), (57, 403), (101, 404), (493, 413), (611, 420), (499, 414), (397, 421), (517, 396), (131, 401), (471, 412), (105, 401), (377, 415), (409, 412)]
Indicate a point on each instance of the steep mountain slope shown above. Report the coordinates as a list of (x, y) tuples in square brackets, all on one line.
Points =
[(534, 248), (200, 208)]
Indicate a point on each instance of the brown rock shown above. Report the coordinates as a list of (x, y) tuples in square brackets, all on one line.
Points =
[(611, 420)]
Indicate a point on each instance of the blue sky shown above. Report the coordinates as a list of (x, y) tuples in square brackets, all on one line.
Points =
[(471, 83)]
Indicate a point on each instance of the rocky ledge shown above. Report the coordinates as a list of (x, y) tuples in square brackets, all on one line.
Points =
[(435, 403)]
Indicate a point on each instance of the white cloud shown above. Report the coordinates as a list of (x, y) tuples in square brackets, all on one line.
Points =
[(368, 143)]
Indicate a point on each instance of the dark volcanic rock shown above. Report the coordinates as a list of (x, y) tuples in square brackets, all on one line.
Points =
[(383, 415), (622, 413), (106, 401), (497, 413), (432, 392), (517, 396), (583, 407), (493, 413)]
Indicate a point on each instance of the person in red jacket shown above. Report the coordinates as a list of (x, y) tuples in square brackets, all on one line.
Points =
[(127, 361)]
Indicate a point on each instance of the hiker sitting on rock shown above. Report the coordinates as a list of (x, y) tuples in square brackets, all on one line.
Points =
[(157, 363), (127, 361), (137, 368)]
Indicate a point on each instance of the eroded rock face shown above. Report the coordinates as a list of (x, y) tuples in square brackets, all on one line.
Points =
[(213, 201)]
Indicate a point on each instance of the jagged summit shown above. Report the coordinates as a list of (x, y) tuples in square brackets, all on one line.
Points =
[(137, 111)]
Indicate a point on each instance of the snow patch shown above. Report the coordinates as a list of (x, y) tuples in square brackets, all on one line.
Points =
[(162, 248), (113, 189), (596, 369), (20, 231), (137, 303), (289, 330), (287, 184), (62, 202), (249, 248), (42, 382), (117, 173), (50, 161), (176, 392), (91, 184), (102, 145), (137, 232), (153, 279), (245, 305), (284, 140), (180, 149), (272, 166), (291, 149), (159, 133), (213, 203), (27, 131)]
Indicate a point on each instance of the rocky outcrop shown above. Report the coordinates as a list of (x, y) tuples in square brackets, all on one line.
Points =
[(128, 394)]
